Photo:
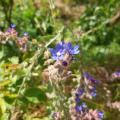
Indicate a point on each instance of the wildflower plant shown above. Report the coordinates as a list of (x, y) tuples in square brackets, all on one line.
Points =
[(86, 88), (11, 35), (51, 74), (69, 94)]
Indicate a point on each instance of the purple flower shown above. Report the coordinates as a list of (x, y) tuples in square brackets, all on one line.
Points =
[(25, 34), (77, 99), (12, 26), (84, 105), (93, 92), (79, 92), (11, 30), (89, 77), (72, 50), (58, 52), (80, 108), (116, 74), (100, 114)]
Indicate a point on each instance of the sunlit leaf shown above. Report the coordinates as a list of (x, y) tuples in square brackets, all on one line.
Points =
[(4, 83), (14, 60)]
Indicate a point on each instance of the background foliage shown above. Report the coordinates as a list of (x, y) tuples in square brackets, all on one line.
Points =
[(92, 24)]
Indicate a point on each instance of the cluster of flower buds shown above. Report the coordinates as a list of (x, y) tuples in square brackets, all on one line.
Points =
[(11, 31), (79, 109), (12, 35), (9, 34), (63, 54), (87, 88), (85, 114), (22, 42), (90, 83)]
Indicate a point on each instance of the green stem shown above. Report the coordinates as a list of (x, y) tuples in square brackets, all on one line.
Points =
[(61, 98), (89, 101)]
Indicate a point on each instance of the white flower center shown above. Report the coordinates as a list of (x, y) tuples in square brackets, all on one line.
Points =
[(58, 53)]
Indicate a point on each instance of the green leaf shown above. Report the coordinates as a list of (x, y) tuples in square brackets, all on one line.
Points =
[(35, 95), (14, 60), (1, 54)]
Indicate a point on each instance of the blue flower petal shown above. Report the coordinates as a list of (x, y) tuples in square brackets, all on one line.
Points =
[(54, 57), (100, 114), (76, 49)]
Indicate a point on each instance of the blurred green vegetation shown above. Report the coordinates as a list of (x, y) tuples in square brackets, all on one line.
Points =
[(92, 24), (42, 22)]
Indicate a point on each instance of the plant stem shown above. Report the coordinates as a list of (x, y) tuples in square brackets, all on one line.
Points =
[(61, 98)]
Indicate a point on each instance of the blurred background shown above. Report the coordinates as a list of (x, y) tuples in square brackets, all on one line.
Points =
[(92, 24), (42, 18)]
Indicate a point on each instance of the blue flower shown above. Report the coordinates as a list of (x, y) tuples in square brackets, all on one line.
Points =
[(80, 92), (72, 50), (84, 105), (80, 108), (12, 25), (61, 49), (93, 92), (77, 99), (25, 34), (100, 114), (89, 77), (58, 52)]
